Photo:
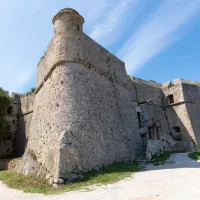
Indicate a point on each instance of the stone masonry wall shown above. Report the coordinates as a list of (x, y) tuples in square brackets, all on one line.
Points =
[(191, 92), (156, 147), (81, 49), (24, 122), (182, 112), (84, 116), (149, 90), (84, 111), (163, 114)]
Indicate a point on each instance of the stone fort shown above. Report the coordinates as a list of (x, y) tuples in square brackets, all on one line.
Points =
[(86, 112)]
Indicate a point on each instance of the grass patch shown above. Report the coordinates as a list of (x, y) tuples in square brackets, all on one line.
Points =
[(194, 155), (160, 159), (106, 175)]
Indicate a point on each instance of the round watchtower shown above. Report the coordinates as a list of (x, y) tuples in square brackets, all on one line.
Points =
[(68, 22)]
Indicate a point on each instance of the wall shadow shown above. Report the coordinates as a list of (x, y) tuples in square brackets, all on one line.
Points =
[(191, 94), (20, 137)]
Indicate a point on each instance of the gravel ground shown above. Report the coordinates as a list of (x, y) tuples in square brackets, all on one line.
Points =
[(171, 181)]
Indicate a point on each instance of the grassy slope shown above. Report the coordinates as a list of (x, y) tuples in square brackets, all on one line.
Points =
[(107, 175)]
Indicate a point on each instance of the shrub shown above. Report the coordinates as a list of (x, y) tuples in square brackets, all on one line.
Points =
[(194, 155), (5, 102)]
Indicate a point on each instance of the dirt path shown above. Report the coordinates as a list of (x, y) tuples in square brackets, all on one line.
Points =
[(177, 181)]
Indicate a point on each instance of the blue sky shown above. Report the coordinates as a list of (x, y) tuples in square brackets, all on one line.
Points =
[(157, 39)]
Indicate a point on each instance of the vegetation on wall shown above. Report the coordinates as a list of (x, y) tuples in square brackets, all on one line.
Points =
[(32, 90), (5, 102), (45, 52)]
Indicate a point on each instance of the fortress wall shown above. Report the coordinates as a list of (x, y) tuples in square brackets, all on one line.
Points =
[(24, 122), (191, 92), (82, 49), (175, 89), (178, 116), (27, 104), (193, 110), (46, 126), (163, 120), (177, 113), (22, 133), (102, 123), (165, 116), (148, 90), (40, 71), (82, 120), (46, 62)]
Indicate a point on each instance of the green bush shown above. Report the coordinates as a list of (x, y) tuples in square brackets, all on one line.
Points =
[(194, 155), (5, 102)]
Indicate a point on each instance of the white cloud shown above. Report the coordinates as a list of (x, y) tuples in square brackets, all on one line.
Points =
[(108, 30), (158, 32)]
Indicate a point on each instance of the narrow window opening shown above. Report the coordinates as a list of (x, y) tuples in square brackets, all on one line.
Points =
[(78, 28), (150, 133), (10, 110), (139, 119), (171, 98), (176, 129), (176, 133)]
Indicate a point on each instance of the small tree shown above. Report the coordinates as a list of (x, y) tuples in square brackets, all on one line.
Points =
[(5, 102)]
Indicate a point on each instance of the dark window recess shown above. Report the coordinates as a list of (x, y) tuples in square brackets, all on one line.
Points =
[(150, 136), (139, 119), (176, 133), (78, 28), (10, 110), (171, 98), (176, 129), (151, 133)]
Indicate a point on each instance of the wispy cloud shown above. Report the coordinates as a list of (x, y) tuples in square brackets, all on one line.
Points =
[(159, 31), (96, 9), (108, 29), (109, 22)]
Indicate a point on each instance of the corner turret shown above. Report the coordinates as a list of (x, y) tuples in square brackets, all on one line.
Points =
[(68, 22)]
